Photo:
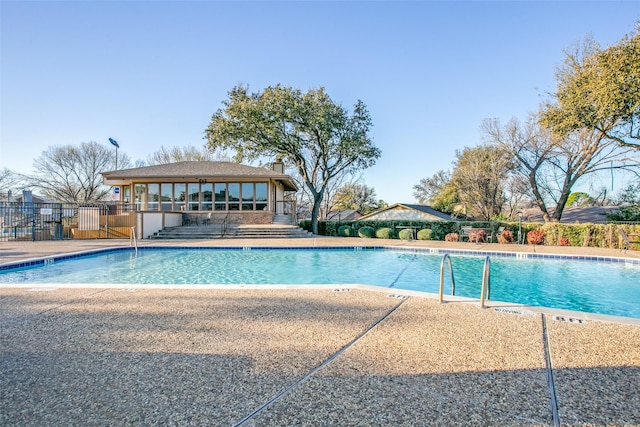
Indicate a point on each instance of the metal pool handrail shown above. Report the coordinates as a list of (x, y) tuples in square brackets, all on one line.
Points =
[(486, 281), (453, 282), (133, 240)]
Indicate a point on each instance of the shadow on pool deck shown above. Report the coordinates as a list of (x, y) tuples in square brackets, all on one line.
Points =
[(212, 357)]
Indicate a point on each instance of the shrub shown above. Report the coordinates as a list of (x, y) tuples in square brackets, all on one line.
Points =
[(346, 231), (406, 234), (564, 241), (477, 236), (424, 234), (367, 232), (451, 237), (505, 237), (384, 233), (535, 237)]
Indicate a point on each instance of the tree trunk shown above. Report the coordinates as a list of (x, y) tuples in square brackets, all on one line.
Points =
[(315, 211), (539, 199)]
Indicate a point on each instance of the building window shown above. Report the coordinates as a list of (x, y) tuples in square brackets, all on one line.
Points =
[(221, 197), (234, 196), (247, 197), (207, 196), (154, 196), (193, 195), (180, 196), (166, 196), (261, 196), (140, 194)]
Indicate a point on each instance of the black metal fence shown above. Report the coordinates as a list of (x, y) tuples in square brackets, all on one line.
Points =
[(58, 221)]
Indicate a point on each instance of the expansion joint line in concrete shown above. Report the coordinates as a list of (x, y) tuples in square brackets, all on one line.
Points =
[(331, 358), (553, 401)]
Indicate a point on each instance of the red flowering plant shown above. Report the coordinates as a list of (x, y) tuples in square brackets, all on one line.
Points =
[(535, 237), (505, 237), (563, 241), (451, 237), (477, 235)]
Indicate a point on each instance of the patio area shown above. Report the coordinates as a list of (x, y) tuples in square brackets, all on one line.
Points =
[(319, 356)]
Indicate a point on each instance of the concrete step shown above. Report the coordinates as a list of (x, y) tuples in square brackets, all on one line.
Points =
[(281, 219), (267, 231)]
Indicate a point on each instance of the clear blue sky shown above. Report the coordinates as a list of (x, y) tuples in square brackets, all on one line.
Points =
[(151, 74)]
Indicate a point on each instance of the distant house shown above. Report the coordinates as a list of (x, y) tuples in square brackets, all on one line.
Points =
[(572, 215), (405, 212), (344, 215), (244, 194), (28, 197)]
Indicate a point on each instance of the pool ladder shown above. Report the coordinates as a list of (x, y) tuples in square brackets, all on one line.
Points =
[(133, 240), (453, 282), (486, 280)]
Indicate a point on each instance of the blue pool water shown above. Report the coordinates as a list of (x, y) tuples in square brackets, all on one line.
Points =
[(611, 288)]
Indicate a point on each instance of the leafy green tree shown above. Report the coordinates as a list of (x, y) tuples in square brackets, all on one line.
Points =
[(428, 188), (356, 196), (579, 198), (448, 200), (311, 132), (599, 90), (479, 176), (630, 195), (72, 174), (438, 192)]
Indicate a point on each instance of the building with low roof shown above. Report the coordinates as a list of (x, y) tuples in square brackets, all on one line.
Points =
[(406, 212), (206, 189), (344, 215), (574, 214)]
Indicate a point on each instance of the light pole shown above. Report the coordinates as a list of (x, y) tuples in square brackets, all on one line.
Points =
[(114, 142), (520, 228)]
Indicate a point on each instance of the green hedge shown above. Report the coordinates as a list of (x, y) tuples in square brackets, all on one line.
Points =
[(346, 231), (384, 233), (367, 232), (405, 234), (593, 235), (424, 234)]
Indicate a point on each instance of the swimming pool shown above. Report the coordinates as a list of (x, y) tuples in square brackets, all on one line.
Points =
[(596, 285)]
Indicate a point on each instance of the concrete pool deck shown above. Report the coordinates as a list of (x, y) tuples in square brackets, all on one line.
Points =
[(105, 356)]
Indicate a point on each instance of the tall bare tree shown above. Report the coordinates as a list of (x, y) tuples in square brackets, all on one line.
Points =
[(73, 173), (181, 154), (553, 165), (9, 181)]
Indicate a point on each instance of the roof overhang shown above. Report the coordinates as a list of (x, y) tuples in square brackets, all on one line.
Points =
[(198, 172)]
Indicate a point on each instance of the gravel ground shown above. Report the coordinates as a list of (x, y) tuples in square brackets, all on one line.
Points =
[(133, 356), (212, 357), (597, 372)]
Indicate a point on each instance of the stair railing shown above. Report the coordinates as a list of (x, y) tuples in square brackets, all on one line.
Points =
[(225, 224)]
